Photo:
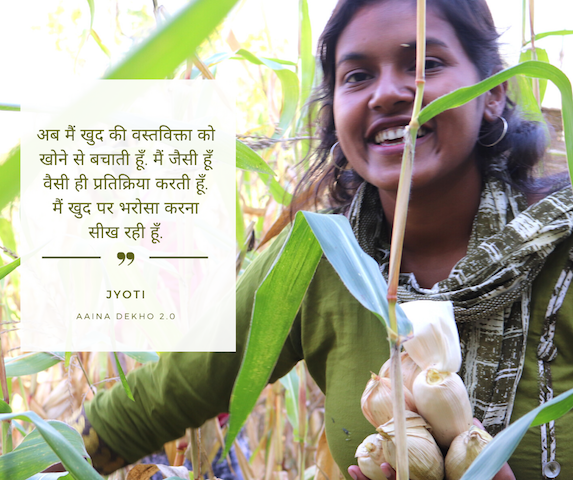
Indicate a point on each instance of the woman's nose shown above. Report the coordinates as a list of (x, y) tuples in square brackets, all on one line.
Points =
[(392, 91)]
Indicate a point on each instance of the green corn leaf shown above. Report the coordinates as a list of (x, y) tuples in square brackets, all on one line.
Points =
[(67, 358), (558, 33), (10, 177), (99, 42), (122, 378), (239, 221), (53, 442), (542, 56), (521, 92), (7, 234), (34, 455), (532, 69), (174, 42), (4, 407), (9, 107), (291, 384), (248, 159), (279, 193), (289, 84), (6, 269), (358, 271), (288, 280), (498, 451), (143, 357), (31, 363)]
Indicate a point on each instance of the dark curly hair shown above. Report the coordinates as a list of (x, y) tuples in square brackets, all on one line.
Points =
[(512, 159)]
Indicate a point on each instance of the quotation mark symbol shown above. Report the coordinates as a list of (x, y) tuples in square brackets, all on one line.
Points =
[(122, 256)]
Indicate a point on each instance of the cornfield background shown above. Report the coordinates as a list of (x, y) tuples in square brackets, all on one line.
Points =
[(267, 50)]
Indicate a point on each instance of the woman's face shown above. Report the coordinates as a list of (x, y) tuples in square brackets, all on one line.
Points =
[(374, 96)]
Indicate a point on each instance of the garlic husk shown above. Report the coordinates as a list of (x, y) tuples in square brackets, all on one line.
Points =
[(464, 450), (376, 401), (370, 456), (425, 459), (436, 342), (410, 370), (441, 398)]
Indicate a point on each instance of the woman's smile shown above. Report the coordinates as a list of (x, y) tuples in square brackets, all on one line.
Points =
[(375, 90)]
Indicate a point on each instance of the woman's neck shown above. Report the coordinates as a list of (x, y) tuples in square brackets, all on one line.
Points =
[(438, 227)]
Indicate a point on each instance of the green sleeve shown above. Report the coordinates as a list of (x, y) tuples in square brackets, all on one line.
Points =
[(183, 389)]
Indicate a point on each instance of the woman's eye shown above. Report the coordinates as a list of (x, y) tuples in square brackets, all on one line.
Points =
[(357, 77), (432, 64)]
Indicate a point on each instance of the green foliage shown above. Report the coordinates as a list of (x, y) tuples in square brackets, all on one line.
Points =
[(124, 383), (498, 451), (532, 69), (34, 455), (358, 271), (288, 281), (143, 357), (165, 50), (540, 55), (248, 159), (31, 363), (291, 384), (558, 33), (6, 269), (10, 177), (51, 442)]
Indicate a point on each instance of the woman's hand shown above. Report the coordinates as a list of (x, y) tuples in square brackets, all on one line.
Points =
[(354, 470), (505, 473)]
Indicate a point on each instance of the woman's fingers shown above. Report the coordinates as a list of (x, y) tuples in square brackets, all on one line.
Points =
[(355, 472), (388, 471), (505, 473)]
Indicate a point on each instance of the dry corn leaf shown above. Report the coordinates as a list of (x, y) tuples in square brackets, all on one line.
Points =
[(171, 451), (145, 472), (142, 472), (244, 464), (326, 467)]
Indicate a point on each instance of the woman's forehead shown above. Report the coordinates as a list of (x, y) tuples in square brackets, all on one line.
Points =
[(393, 22)]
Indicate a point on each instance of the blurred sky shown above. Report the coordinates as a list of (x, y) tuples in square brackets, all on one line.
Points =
[(38, 38)]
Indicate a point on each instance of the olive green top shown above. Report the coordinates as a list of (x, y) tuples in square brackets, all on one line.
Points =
[(341, 343)]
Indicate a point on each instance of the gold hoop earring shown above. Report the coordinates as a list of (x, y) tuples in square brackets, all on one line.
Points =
[(501, 137)]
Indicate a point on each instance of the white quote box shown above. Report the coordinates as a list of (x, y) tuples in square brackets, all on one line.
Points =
[(128, 217)]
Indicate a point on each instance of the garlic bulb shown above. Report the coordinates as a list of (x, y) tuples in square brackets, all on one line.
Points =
[(410, 370), (441, 398), (370, 456), (463, 451), (424, 456), (377, 403), (436, 342)]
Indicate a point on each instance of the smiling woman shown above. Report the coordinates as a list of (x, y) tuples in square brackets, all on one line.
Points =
[(481, 233)]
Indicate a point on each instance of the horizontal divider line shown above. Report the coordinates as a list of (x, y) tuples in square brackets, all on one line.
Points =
[(69, 257), (179, 257)]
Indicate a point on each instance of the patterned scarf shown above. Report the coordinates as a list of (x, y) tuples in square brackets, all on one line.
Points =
[(490, 287)]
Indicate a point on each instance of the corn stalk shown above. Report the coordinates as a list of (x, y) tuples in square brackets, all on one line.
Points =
[(398, 228)]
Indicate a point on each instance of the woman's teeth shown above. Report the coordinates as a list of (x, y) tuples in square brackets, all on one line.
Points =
[(395, 135)]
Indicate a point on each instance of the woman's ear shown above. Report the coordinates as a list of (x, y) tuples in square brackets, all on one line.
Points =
[(495, 102)]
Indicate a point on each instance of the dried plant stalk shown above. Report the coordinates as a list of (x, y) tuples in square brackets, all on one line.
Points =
[(398, 228)]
